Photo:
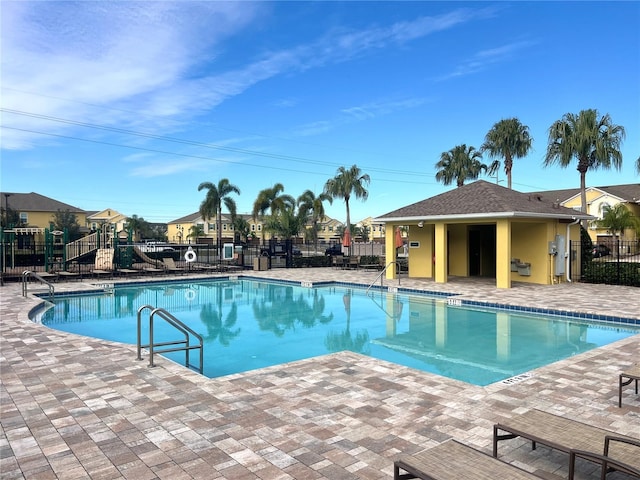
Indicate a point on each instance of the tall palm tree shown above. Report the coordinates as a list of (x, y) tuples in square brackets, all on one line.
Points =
[(460, 163), (346, 183), (508, 139), (272, 200), (309, 203), (594, 142), (212, 204)]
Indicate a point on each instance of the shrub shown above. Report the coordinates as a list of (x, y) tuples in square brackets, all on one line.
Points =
[(612, 273)]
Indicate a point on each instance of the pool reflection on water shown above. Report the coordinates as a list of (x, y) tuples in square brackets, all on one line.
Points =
[(248, 324)]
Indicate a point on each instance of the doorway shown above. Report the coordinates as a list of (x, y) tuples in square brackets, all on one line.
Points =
[(482, 251)]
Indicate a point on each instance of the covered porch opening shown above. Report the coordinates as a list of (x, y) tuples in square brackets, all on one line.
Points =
[(482, 250)]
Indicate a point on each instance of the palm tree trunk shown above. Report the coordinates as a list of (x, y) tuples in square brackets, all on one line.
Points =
[(346, 202), (508, 165), (219, 233), (583, 194)]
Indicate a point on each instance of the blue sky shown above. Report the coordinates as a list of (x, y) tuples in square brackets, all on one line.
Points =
[(132, 105)]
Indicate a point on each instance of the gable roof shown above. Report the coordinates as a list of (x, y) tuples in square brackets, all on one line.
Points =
[(34, 202), (629, 192), (482, 199)]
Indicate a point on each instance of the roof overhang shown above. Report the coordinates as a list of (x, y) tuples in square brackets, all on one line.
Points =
[(484, 216)]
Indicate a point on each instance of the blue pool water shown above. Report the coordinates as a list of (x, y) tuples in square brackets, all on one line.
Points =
[(251, 324)]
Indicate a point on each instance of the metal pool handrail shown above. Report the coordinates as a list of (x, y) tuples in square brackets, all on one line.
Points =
[(178, 325), (380, 276), (25, 281)]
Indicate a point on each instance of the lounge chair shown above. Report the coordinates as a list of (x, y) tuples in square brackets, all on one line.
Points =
[(68, 275), (606, 461), (627, 377), (171, 267), (567, 435), (453, 460)]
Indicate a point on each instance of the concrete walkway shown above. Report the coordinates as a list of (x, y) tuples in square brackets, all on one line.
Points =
[(75, 407)]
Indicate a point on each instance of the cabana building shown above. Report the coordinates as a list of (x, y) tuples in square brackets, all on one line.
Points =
[(485, 230)]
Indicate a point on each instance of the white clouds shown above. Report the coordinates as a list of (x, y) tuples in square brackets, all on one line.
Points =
[(65, 58), (358, 113), (485, 58), (156, 63)]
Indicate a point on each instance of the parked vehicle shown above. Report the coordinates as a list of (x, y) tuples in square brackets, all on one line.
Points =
[(601, 251), (278, 249), (155, 247), (334, 250)]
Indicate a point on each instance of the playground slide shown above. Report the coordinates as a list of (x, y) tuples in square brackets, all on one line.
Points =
[(145, 258)]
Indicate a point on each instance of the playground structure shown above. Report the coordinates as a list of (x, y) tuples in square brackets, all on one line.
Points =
[(51, 250)]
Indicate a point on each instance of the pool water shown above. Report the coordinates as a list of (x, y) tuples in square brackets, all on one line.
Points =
[(249, 324)]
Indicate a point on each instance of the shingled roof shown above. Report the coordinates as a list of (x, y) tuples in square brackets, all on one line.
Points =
[(482, 199), (629, 192), (34, 202)]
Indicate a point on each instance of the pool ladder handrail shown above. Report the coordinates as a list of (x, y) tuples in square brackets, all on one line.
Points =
[(380, 276), (178, 325), (25, 281)]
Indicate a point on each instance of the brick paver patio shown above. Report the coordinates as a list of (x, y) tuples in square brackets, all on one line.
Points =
[(75, 407)]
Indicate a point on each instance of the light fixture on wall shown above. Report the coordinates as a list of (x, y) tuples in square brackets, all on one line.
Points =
[(421, 224)]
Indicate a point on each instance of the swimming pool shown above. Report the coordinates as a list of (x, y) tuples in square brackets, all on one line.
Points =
[(249, 324)]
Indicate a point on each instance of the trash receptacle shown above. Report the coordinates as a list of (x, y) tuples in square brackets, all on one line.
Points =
[(261, 263)]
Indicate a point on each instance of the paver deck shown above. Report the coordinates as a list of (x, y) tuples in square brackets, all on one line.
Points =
[(76, 407)]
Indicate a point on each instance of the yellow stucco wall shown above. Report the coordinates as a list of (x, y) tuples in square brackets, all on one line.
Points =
[(421, 258), (458, 239), (44, 219)]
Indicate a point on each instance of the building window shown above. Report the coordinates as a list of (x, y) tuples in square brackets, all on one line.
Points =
[(259, 227), (253, 227), (24, 217)]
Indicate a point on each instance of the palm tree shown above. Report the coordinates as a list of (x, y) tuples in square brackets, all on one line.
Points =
[(616, 219), (638, 166), (308, 203), (508, 139), (286, 222), (242, 228), (594, 142), (196, 231), (212, 204), (346, 183), (270, 199), (460, 163), (135, 225)]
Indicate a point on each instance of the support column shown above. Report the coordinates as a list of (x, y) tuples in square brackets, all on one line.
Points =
[(441, 252), (390, 251), (503, 253)]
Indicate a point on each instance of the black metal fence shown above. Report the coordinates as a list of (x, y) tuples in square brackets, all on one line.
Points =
[(23, 253), (613, 263)]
